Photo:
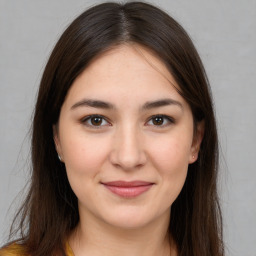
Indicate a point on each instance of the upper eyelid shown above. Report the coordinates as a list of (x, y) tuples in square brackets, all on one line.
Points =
[(86, 118), (161, 115), (94, 115)]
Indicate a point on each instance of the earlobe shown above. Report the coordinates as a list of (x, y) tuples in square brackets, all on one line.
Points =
[(197, 140)]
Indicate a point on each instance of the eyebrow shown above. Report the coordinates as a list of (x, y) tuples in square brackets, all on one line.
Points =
[(93, 104), (106, 105), (161, 103)]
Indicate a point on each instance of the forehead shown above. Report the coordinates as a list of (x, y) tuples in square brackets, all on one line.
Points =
[(126, 70)]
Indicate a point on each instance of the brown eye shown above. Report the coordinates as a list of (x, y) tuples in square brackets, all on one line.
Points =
[(158, 120), (96, 121)]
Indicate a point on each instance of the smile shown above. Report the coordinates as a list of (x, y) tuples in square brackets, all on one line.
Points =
[(128, 189)]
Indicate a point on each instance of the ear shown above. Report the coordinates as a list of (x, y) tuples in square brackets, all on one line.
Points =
[(197, 139), (57, 141)]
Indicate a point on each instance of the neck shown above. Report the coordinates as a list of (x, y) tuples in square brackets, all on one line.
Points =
[(96, 237)]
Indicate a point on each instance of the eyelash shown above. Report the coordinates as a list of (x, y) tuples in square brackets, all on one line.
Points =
[(169, 120), (87, 119)]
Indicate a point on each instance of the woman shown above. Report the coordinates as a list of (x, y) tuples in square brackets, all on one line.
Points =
[(124, 143)]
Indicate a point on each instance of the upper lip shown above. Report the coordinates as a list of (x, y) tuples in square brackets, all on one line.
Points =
[(135, 183)]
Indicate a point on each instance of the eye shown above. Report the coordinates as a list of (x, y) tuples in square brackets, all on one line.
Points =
[(160, 120), (96, 121)]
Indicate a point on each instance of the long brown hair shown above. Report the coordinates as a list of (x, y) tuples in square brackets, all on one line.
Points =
[(50, 211)]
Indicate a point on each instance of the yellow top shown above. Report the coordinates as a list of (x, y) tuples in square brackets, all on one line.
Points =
[(18, 250), (69, 251)]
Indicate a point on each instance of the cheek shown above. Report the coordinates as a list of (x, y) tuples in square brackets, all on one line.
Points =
[(84, 154), (171, 153), (170, 157)]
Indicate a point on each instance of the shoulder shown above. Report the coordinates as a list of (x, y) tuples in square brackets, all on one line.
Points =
[(13, 250)]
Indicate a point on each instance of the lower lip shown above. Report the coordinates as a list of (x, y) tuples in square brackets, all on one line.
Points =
[(128, 192)]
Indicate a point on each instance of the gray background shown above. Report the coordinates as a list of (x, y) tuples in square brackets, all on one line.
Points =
[(224, 33)]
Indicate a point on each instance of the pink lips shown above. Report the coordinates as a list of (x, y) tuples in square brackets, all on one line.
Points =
[(128, 189)]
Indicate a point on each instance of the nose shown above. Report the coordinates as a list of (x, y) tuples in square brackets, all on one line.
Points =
[(127, 149)]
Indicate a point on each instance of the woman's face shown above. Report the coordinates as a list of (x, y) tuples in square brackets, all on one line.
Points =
[(126, 138)]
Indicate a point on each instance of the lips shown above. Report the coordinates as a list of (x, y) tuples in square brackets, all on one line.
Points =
[(128, 189)]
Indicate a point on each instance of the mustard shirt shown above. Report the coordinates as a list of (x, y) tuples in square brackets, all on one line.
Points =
[(17, 250)]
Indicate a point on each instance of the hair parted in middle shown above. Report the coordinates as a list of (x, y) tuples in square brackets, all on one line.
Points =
[(50, 211)]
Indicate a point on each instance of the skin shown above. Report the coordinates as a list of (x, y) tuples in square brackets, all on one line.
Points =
[(126, 144)]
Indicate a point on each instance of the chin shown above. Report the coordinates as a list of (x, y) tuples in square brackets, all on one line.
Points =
[(130, 219), (128, 223)]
